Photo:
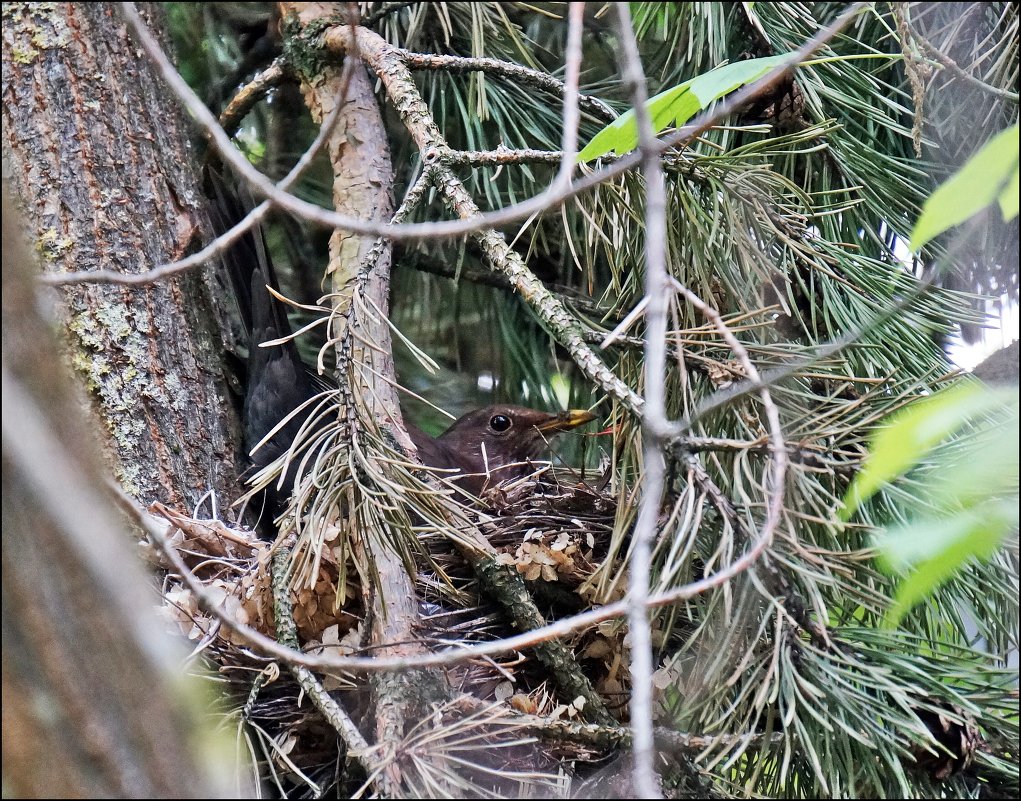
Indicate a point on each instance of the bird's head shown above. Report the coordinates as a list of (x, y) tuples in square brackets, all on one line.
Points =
[(495, 436)]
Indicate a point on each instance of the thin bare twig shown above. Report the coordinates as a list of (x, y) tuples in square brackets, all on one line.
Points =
[(385, 10), (653, 466), (499, 157), (600, 736), (570, 117), (507, 69), (381, 56), (247, 96)]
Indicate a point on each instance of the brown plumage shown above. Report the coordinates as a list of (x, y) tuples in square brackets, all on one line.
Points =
[(485, 447), (494, 443)]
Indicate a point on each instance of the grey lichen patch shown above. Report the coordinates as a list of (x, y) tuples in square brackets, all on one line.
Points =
[(110, 355), (114, 318), (87, 329), (129, 476), (96, 327), (174, 394), (126, 430), (87, 366), (31, 28)]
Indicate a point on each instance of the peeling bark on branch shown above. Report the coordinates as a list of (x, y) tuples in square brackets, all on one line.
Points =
[(388, 63), (363, 184)]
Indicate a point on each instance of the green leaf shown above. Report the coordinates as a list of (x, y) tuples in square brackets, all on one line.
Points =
[(930, 551), (986, 467), (1008, 198), (974, 482), (990, 176), (677, 105), (911, 433)]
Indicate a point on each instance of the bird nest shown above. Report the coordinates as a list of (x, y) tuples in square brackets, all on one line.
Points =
[(550, 528)]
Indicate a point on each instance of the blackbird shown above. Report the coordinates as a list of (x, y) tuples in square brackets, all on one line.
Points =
[(481, 449), (494, 443)]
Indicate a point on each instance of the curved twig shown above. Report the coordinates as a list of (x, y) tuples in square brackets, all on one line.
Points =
[(247, 96), (382, 57)]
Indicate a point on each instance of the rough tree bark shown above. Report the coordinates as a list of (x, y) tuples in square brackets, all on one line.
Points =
[(99, 160), (94, 706), (100, 165)]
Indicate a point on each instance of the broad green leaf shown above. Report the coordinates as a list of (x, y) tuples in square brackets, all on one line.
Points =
[(990, 176), (677, 105), (930, 551), (986, 467), (974, 481), (1008, 198), (914, 431)]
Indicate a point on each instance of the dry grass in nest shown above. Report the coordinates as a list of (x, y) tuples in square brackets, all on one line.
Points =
[(554, 532)]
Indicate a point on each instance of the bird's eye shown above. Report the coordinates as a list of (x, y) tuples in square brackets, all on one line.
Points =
[(500, 423)]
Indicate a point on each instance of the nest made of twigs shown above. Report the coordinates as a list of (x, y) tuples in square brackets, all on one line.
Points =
[(554, 530)]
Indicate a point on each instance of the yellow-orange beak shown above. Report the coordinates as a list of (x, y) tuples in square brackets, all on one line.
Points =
[(565, 421)]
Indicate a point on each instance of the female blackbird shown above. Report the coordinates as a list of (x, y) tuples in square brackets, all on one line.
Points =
[(494, 443), (480, 450)]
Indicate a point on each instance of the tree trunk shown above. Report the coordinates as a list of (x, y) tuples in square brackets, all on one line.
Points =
[(94, 706), (100, 162)]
